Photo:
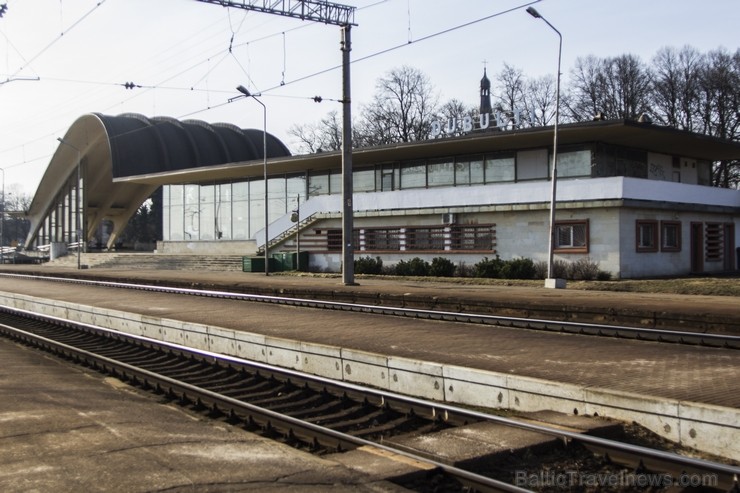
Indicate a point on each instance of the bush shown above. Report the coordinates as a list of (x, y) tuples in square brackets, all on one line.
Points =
[(583, 269), (518, 268), (464, 270), (489, 268), (367, 265), (442, 267), (414, 267), (560, 270)]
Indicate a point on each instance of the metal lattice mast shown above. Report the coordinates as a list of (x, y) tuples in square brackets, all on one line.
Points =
[(307, 10), (338, 15)]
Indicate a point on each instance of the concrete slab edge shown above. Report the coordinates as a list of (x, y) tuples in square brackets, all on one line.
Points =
[(704, 427)]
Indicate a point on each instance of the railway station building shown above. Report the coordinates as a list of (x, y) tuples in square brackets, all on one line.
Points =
[(632, 196)]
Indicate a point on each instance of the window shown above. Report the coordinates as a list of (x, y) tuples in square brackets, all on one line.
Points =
[(441, 173), (382, 239), (425, 238), (670, 236), (462, 172), (576, 163), (413, 175), (334, 240), (500, 168), (532, 165), (364, 180), (571, 237), (647, 236), (318, 184), (473, 237)]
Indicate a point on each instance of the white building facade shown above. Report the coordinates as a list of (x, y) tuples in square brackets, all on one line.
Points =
[(634, 198)]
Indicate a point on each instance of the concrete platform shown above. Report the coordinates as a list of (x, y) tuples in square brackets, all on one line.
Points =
[(696, 313), (64, 429), (686, 394)]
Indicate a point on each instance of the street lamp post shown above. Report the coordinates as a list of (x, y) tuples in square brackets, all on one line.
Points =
[(551, 281), (78, 218), (246, 92), (298, 232), (2, 224)]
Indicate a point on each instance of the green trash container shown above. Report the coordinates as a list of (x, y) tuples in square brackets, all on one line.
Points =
[(303, 256), (282, 261), (253, 264)]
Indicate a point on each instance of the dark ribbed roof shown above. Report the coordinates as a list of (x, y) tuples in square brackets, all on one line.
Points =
[(141, 145)]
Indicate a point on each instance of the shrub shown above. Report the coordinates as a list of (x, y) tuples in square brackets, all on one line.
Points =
[(560, 270), (583, 269), (490, 268), (518, 268), (464, 270), (367, 265), (442, 267), (414, 267)]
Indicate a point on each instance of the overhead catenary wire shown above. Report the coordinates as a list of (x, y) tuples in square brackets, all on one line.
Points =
[(283, 83), (55, 40)]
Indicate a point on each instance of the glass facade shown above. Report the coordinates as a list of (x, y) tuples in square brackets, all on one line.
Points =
[(236, 211)]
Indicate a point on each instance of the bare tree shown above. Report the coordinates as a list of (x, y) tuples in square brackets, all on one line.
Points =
[(401, 110), (720, 108), (15, 226), (510, 83), (675, 95), (456, 110), (540, 99), (317, 137), (586, 89), (628, 86), (616, 87)]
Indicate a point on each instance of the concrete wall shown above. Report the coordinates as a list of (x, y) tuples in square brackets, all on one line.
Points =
[(228, 247), (634, 264), (521, 215)]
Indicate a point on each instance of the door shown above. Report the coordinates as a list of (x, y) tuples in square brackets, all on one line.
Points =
[(697, 248), (729, 253)]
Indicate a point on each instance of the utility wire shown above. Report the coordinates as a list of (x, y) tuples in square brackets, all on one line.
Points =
[(43, 50), (314, 74)]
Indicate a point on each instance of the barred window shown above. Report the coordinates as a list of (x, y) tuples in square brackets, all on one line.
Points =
[(425, 238), (571, 237), (382, 239), (670, 236), (473, 237), (646, 236), (334, 240)]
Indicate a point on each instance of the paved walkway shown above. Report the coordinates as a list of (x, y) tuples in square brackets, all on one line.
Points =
[(684, 312), (65, 429), (689, 373)]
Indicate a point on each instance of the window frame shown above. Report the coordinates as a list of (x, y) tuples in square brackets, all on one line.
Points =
[(654, 237), (558, 248), (664, 225)]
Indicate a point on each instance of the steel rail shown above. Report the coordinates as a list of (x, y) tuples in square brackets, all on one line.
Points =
[(628, 454), (577, 328), (267, 418)]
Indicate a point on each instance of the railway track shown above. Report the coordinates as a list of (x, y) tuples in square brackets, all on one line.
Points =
[(590, 329), (322, 415)]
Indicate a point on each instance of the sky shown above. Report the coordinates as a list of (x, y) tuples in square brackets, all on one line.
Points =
[(61, 59)]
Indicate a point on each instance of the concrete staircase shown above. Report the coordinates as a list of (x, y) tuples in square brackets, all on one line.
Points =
[(152, 261)]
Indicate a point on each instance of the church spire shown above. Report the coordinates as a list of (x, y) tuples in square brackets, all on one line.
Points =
[(485, 94)]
